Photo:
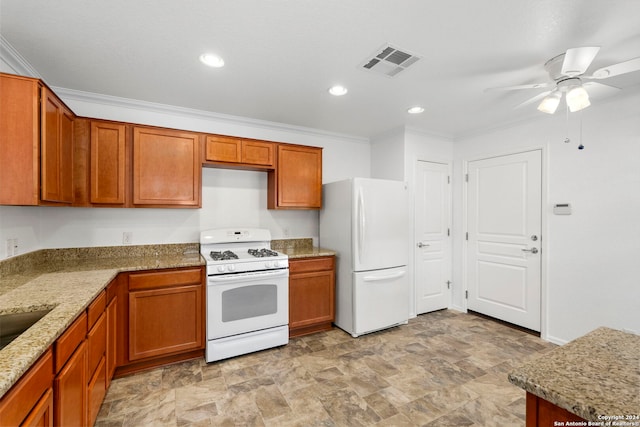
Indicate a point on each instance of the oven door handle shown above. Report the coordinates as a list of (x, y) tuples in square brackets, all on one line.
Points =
[(228, 278)]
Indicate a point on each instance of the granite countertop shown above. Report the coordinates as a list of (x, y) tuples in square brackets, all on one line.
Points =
[(596, 377), (66, 281), (300, 248)]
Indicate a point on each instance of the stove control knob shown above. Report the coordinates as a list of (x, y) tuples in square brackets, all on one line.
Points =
[(221, 268), (231, 267), (267, 264), (276, 264)]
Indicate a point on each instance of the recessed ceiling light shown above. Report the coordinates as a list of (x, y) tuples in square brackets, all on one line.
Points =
[(337, 90), (415, 110), (212, 60)]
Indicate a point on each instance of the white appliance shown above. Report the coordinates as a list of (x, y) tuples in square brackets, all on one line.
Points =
[(247, 292), (366, 222)]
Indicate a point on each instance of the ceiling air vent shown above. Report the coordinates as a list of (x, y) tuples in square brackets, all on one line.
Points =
[(389, 61)]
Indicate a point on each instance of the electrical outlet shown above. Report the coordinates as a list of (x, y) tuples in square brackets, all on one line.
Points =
[(127, 237)]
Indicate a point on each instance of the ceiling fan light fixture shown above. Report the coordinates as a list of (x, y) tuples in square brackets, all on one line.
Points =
[(577, 99), (550, 103)]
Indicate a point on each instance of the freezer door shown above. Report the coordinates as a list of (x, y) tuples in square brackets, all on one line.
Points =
[(380, 224), (381, 299)]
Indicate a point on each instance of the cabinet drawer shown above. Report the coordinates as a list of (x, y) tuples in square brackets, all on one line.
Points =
[(20, 400), (164, 279), (304, 265), (67, 343), (96, 308), (96, 343)]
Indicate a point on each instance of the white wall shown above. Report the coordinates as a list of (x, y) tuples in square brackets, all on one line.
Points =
[(229, 197), (393, 156), (592, 269)]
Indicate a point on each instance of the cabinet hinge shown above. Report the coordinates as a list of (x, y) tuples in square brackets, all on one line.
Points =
[(466, 294), (448, 284)]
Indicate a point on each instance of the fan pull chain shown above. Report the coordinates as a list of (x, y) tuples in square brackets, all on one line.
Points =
[(580, 147), (567, 140)]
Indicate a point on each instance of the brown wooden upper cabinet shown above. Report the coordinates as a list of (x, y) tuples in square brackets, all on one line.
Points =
[(297, 181), (107, 175), (239, 152), (167, 169), (36, 142)]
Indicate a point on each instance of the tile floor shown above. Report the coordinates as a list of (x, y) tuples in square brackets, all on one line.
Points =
[(442, 369)]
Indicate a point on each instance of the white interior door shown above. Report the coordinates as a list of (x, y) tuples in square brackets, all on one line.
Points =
[(504, 199), (432, 251)]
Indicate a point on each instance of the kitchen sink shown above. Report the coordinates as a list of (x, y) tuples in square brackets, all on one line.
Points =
[(13, 324)]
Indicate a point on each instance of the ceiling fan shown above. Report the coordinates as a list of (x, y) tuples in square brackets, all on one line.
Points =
[(567, 72)]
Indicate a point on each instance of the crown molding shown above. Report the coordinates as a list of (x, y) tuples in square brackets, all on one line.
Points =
[(116, 101), (15, 61)]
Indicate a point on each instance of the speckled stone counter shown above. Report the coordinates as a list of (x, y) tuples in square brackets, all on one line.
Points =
[(66, 281), (300, 248), (595, 376)]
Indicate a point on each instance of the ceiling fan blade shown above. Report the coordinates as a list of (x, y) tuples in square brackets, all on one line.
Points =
[(599, 90), (577, 60), (617, 69), (536, 98), (518, 87)]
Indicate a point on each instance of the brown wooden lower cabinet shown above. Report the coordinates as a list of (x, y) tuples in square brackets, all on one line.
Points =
[(70, 386), (29, 402), (311, 295), (160, 318), (542, 413), (42, 413)]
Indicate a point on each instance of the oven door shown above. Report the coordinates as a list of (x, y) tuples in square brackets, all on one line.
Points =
[(245, 302)]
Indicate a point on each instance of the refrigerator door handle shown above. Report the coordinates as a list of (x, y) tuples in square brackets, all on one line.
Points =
[(380, 278), (361, 225)]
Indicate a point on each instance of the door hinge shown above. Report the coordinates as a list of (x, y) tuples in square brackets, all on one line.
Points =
[(466, 294), (466, 235), (448, 284), (448, 232), (466, 177), (448, 179)]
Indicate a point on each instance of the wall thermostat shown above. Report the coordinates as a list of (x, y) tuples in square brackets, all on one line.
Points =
[(562, 209)]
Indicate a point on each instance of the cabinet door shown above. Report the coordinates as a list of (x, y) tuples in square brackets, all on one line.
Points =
[(257, 152), (311, 298), (223, 149), (166, 168), (111, 353), (19, 141), (24, 399), (298, 178), (42, 413), (165, 321), (96, 391), (70, 390), (56, 150), (107, 171)]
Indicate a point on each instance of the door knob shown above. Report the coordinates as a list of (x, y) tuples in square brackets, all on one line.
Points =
[(532, 250), (422, 245)]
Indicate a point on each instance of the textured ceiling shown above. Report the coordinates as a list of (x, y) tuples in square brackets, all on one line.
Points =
[(282, 55)]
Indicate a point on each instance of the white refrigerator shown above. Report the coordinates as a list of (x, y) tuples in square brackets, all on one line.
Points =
[(366, 222)]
